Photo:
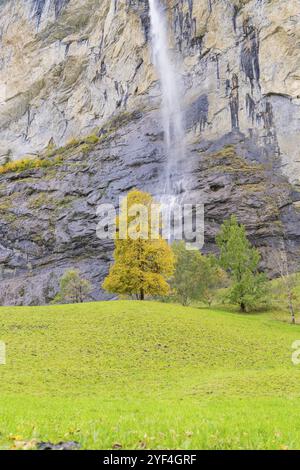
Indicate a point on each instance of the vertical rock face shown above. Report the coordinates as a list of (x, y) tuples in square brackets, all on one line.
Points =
[(70, 68), (42, 8)]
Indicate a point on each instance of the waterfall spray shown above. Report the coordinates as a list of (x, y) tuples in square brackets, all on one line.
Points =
[(172, 118)]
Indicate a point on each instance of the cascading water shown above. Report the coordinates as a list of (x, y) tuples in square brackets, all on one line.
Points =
[(171, 99)]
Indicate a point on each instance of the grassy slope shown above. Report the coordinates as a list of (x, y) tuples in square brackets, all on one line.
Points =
[(148, 375)]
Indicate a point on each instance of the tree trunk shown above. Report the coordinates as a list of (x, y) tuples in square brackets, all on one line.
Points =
[(142, 294), (243, 307), (291, 308)]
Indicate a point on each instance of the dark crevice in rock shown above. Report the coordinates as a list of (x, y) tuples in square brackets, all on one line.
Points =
[(141, 7), (38, 7), (234, 102), (250, 106), (234, 17), (250, 53), (196, 116), (185, 28), (268, 117)]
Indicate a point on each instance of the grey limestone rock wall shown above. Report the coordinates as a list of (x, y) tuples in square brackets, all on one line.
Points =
[(73, 68)]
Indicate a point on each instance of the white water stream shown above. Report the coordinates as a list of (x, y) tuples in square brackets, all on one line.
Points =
[(172, 117)]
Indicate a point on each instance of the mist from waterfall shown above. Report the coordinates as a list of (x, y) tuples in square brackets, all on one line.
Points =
[(172, 117)]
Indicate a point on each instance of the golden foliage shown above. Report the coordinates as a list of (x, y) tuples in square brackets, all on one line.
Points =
[(143, 265), (28, 164)]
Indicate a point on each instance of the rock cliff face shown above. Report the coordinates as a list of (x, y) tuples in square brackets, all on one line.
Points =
[(71, 68)]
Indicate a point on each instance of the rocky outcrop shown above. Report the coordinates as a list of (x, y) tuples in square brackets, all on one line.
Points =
[(73, 68)]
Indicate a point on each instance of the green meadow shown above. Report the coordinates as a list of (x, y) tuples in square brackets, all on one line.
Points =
[(148, 375)]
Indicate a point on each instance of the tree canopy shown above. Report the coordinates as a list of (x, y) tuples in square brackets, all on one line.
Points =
[(142, 264), (73, 288), (241, 261), (196, 276)]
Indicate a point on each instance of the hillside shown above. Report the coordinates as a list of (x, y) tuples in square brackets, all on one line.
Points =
[(151, 376)]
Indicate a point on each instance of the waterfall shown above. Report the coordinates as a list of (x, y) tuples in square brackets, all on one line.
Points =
[(172, 118)]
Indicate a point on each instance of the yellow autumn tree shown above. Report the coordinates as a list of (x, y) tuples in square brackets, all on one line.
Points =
[(143, 260)]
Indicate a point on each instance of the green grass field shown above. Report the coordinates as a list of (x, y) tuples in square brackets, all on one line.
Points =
[(148, 375)]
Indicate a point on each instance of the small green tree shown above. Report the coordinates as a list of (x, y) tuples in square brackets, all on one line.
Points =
[(73, 288), (196, 276), (241, 261)]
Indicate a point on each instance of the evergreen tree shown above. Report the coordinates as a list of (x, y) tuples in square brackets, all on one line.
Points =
[(241, 261)]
